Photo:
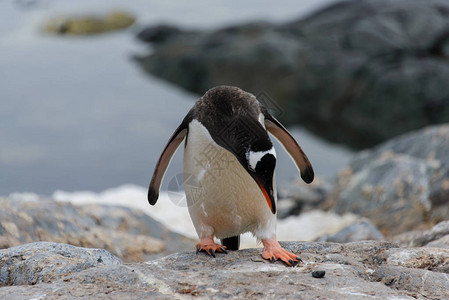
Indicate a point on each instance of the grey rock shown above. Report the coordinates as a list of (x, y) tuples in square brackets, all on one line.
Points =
[(357, 72), (434, 259), (359, 270), (440, 243), (158, 34), (419, 284), (299, 197), (127, 233), (437, 236), (359, 231), (43, 261), (400, 185)]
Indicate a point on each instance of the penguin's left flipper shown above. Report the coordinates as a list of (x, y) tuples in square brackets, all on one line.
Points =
[(273, 251)]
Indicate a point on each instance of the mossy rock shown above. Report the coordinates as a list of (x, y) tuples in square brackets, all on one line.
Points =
[(86, 25)]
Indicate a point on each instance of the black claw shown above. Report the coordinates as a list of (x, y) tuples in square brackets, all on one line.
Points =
[(212, 252), (299, 259), (273, 259), (198, 249), (291, 262), (224, 250)]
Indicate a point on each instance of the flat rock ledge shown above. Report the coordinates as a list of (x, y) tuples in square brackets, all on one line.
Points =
[(127, 233), (358, 270)]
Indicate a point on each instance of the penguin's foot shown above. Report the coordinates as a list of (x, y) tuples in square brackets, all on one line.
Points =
[(210, 247), (273, 251)]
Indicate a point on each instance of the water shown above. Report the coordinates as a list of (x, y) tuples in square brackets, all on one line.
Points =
[(77, 114)]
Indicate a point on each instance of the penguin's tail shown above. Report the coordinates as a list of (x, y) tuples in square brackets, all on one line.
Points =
[(231, 243)]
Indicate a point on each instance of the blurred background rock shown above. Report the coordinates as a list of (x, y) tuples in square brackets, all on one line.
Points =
[(356, 72), (84, 25)]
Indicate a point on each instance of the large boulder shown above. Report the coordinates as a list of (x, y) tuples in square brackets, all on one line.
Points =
[(127, 233), (359, 270), (400, 185), (357, 72), (44, 261)]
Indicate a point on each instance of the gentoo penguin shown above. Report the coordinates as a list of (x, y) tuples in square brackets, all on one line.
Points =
[(228, 170)]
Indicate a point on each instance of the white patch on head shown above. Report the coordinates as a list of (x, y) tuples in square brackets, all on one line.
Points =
[(254, 157), (262, 120)]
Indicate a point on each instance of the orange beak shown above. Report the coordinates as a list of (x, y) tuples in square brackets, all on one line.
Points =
[(269, 199)]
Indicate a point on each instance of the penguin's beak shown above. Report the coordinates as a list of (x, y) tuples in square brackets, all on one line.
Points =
[(267, 192)]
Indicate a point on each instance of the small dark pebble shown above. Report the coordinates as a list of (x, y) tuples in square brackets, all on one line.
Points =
[(318, 274)]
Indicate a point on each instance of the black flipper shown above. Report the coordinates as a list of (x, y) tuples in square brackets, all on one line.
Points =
[(290, 145), (231, 243), (165, 158)]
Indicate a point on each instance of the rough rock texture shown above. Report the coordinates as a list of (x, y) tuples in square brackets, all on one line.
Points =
[(44, 261), (86, 25), (360, 270), (437, 236), (127, 233), (357, 72), (400, 185)]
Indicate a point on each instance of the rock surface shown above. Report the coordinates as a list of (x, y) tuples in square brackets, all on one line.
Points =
[(360, 270), (127, 233), (39, 262), (437, 236), (357, 72), (400, 185)]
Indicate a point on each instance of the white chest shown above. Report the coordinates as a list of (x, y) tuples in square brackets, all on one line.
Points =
[(221, 195)]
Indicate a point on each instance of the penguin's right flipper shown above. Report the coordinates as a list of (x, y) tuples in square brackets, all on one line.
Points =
[(232, 243), (165, 158)]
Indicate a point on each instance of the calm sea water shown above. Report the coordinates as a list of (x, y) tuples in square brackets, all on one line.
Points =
[(77, 114)]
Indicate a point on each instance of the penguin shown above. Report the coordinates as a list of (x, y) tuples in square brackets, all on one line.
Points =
[(229, 171)]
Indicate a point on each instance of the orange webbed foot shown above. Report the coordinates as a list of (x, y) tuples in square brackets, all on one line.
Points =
[(210, 247), (273, 251)]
